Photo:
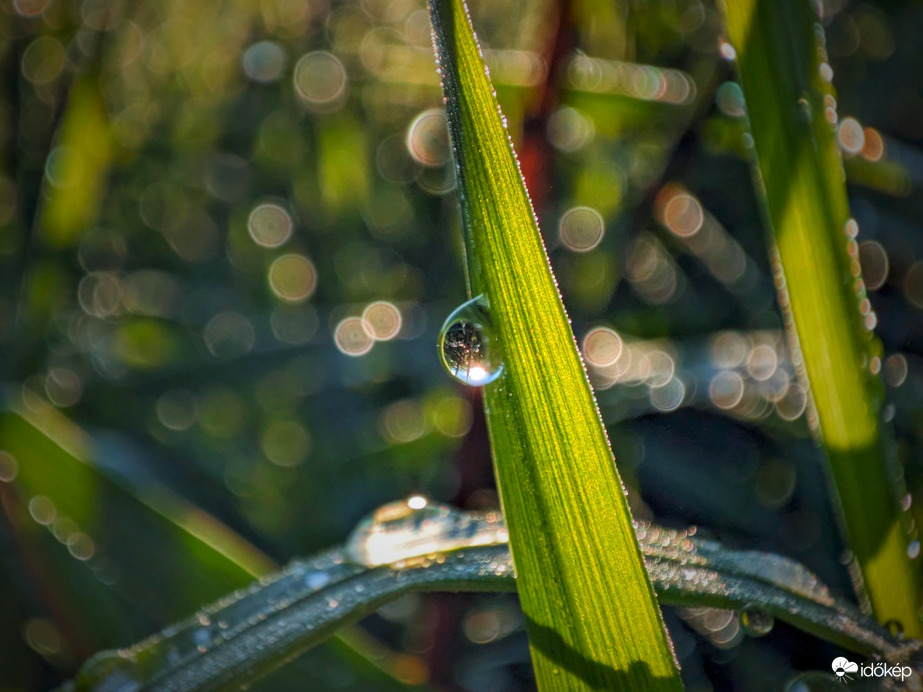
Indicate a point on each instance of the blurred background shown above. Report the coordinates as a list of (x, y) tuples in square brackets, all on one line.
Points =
[(229, 237)]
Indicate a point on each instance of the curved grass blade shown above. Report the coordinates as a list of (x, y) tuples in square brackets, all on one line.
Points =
[(241, 638), (52, 461), (592, 617), (781, 62)]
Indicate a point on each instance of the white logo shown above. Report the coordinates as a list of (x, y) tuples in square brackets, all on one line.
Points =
[(841, 667)]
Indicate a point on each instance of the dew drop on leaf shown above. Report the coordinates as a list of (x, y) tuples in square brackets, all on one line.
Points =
[(109, 671), (416, 527), (468, 345), (756, 622), (895, 628)]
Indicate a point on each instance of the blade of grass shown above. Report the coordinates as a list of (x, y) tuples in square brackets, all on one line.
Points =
[(591, 613), (75, 185), (782, 66), (241, 638), (157, 537)]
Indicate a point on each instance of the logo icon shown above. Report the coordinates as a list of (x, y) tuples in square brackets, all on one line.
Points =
[(841, 668)]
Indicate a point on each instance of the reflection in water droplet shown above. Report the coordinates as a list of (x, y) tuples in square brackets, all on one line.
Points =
[(416, 527), (110, 672), (756, 622), (468, 345)]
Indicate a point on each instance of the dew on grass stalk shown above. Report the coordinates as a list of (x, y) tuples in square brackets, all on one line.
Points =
[(468, 345), (110, 671), (756, 622), (416, 527), (895, 628)]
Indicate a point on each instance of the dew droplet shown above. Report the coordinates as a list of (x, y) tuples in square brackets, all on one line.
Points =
[(417, 527), (895, 628), (317, 580), (468, 344), (109, 671), (756, 622), (726, 50), (913, 550)]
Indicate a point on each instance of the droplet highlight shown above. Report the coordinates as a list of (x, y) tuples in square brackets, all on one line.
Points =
[(417, 527), (756, 622), (468, 345), (109, 671)]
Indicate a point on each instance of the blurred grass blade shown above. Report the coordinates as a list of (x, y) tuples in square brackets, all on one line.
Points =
[(592, 617), (78, 166), (50, 453), (241, 638), (792, 111), (158, 537)]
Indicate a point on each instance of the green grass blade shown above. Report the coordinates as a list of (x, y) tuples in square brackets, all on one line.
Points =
[(51, 455), (243, 637), (591, 613), (52, 463), (792, 111)]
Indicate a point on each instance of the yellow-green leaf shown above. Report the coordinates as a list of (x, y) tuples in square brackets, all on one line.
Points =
[(591, 613)]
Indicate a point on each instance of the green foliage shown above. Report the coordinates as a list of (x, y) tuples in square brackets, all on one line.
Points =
[(785, 76), (592, 618), (215, 215), (240, 638)]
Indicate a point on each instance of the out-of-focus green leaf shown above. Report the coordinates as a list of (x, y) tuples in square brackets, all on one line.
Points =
[(157, 536), (78, 166), (142, 539), (785, 77)]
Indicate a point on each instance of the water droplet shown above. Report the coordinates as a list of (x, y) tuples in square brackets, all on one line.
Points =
[(756, 622), (408, 529), (805, 106), (317, 580), (913, 550), (888, 413), (895, 628), (109, 671), (726, 50), (468, 344)]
